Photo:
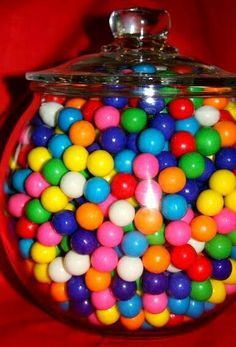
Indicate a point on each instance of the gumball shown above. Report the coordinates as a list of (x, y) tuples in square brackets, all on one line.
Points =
[(109, 316), (124, 161), (89, 216), (134, 244), (113, 139), (181, 108), (188, 216), (104, 259), (183, 256), (195, 309), (166, 159), (18, 179), (131, 142), (156, 259), (48, 111), (190, 125), (89, 107), (58, 144), (190, 191), (232, 237), (182, 142), (83, 308), (164, 123), (146, 166), (100, 163), (53, 199), (36, 213), (17, 203), (178, 306), (26, 228), (154, 283), (133, 120), (207, 115), (155, 303), (35, 184), (148, 220), (158, 238), (106, 117), (179, 285), (123, 186), (76, 289), (116, 101), (109, 234), (64, 222), (200, 270), (41, 135), (72, 184), (217, 102), (223, 181), (219, 247), (82, 133), (144, 68), (208, 170), (172, 180), (197, 245), (152, 105), (221, 269), (43, 254), (37, 157), (68, 116), (53, 171), (210, 202), (58, 292), (148, 193), (96, 280), (230, 201), (218, 292), (227, 132), (76, 264), (158, 320), (208, 141), (75, 158), (151, 141), (40, 273), (192, 164), (231, 279), (103, 299), (123, 290), (226, 221), (131, 307), (130, 268), (25, 247), (96, 190), (75, 102), (47, 235), (177, 233), (106, 204), (203, 228), (174, 206), (121, 213), (83, 241), (226, 158), (133, 323)]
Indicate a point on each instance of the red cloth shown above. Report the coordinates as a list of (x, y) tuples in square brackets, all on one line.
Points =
[(43, 33)]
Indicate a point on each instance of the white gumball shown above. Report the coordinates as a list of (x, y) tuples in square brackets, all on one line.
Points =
[(130, 268), (48, 112), (57, 271), (197, 245), (172, 268), (207, 115), (76, 264), (121, 213), (72, 184)]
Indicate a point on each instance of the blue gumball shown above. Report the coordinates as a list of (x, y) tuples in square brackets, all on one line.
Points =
[(226, 158), (115, 101), (96, 190), (58, 144), (165, 123), (131, 307), (134, 244), (190, 191), (18, 179), (151, 141), (178, 306), (166, 159), (41, 135), (113, 139), (68, 116), (174, 206), (189, 124), (76, 289), (195, 309), (124, 161), (64, 222), (132, 142), (179, 285), (25, 247), (152, 105)]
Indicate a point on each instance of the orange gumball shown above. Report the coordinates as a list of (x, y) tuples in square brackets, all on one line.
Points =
[(133, 323), (156, 259), (218, 102), (203, 228), (227, 131), (75, 102), (148, 220), (89, 216), (172, 179), (82, 133), (58, 292), (97, 280)]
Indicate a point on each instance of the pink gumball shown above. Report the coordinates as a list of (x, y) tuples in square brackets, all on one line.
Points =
[(146, 166), (16, 204), (230, 289), (109, 234), (47, 235), (225, 220), (104, 259), (103, 299), (105, 205), (92, 318), (155, 303), (177, 233), (188, 216), (106, 116), (35, 184), (148, 193)]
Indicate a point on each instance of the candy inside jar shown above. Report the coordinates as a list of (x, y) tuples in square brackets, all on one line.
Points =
[(121, 197)]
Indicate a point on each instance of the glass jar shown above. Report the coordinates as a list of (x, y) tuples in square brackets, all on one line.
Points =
[(118, 189)]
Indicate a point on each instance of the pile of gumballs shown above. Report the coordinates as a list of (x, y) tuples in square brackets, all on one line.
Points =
[(126, 207)]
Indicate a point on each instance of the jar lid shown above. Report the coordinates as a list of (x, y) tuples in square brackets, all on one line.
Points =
[(138, 62)]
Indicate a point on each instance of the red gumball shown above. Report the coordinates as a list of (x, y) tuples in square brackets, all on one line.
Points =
[(90, 107), (200, 270), (183, 256), (56, 98), (181, 108), (25, 228), (123, 186), (175, 319), (225, 115), (182, 142)]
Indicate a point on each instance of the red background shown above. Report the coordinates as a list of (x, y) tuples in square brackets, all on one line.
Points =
[(43, 33)]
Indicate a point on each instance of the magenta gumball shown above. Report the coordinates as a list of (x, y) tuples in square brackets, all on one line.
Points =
[(109, 234), (35, 184), (104, 259), (104, 299), (188, 216), (226, 221), (178, 233), (148, 193), (105, 205), (155, 303), (16, 204), (146, 166), (106, 116), (47, 235)]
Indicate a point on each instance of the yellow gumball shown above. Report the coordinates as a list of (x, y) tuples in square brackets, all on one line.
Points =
[(218, 292), (223, 181), (109, 177), (100, 163), (230, 201), (75, 158), (41, 273), (53, 199), (231, 107), (37, 157), (70, 207), (109, 316), (210, 202), (232, 278), (158, 319), (43, 254), (133, 202)]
